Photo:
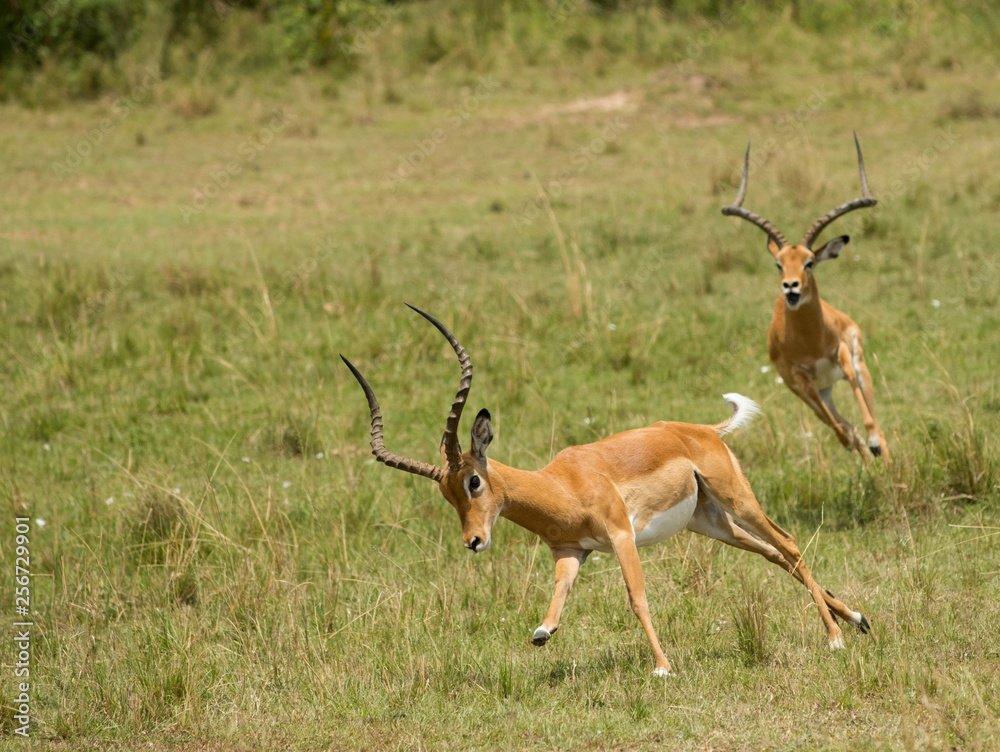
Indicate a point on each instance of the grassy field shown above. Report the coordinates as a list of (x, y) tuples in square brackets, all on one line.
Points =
[(219, 563)]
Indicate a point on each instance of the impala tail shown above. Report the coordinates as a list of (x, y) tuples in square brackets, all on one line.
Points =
[(745, 411)]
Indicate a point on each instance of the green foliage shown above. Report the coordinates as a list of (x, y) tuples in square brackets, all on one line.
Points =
[(67, 30)]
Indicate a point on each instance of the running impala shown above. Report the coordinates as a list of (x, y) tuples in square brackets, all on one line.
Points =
[(631, 489), (811, 343)]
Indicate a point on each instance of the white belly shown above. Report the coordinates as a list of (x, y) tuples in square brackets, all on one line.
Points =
[(589, 544), (668, 523), (661, 526), (826, 373)]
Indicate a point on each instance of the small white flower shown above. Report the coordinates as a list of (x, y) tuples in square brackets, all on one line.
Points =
[(41, 523), (765, 369), (597, 557), (177, 492), (611, 328), (503, 619), (807, 435), (245, 459), (936, 303), (110, 500), (779, 380), (286, 484), (319, 455), (48, 448), (587, 421)]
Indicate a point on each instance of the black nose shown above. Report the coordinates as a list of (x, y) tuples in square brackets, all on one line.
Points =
[(474, 544)]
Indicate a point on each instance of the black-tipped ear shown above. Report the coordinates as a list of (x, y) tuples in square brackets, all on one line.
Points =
[(832, 248), (482, 434)]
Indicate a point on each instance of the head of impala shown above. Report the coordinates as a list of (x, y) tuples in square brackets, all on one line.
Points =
[(464, 477), (798, 262)]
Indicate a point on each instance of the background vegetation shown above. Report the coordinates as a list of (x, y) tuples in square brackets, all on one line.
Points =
[(195, 228)]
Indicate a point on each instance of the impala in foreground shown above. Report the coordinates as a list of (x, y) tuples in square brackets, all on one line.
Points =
[(631, 489)]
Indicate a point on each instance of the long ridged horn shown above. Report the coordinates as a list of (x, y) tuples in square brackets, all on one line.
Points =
[(452, 448), (736, 208), (858, 203), (378, 445)]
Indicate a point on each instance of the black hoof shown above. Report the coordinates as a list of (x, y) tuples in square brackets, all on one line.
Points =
[(540, 637), (864, 626), (876, 450)]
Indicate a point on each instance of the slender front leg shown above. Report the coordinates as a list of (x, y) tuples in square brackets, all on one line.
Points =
[(861, 382), (628, 557), (568, 563), (806, 390)]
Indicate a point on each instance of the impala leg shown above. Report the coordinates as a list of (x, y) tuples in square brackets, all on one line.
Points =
[(852, 363), (628, 558), (712, 520), (804, 387), (568, 564), (758, 523)]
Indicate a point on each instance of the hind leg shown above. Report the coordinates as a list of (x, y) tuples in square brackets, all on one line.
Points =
[(730, 512), (713, 521)]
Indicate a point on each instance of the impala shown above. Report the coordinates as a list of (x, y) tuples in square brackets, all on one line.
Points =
[(631, 489), (813, 345)]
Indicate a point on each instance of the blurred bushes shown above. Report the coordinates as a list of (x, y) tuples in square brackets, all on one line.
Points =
[(81, 48), (67, 30)]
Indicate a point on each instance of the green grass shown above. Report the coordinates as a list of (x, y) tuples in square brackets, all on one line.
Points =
[(224, 565)]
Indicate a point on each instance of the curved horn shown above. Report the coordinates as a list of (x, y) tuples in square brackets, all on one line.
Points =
[(378, 446), (858, 203), (736, 208), (452, 449)]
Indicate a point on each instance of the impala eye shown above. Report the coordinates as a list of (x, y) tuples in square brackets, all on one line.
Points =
[(474, 482), (809, 265), (780, 267)]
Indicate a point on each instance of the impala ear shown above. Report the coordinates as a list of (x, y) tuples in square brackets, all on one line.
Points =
[(482, 434), (773, 247), (832, 249)]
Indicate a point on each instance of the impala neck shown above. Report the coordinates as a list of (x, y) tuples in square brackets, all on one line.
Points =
[(524, 493)]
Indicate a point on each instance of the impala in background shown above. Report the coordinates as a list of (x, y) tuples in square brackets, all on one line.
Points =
[(811, 343), (631, 489)]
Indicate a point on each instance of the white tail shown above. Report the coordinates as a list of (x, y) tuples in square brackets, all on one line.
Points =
[(745, 411)]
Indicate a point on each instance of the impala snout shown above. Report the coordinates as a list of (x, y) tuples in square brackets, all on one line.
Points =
[(478, 545), (793, 293)]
